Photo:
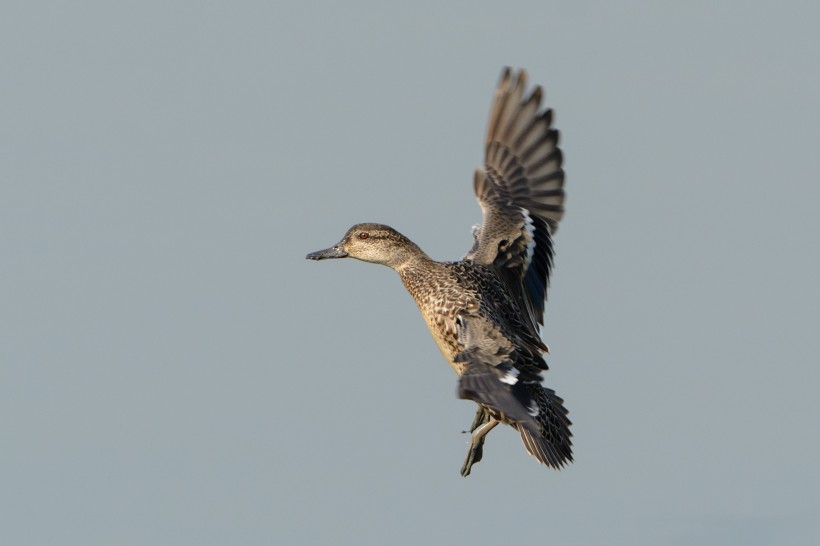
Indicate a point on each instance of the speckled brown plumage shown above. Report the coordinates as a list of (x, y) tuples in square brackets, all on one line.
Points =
[(484, 312), (455, 297)]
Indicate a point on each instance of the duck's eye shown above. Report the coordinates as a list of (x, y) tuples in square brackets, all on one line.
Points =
[(364, 235)]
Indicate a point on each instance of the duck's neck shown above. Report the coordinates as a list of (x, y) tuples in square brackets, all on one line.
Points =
[(416, 273), (410, 257)]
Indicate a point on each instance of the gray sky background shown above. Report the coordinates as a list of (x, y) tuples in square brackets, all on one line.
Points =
[(172, 371)]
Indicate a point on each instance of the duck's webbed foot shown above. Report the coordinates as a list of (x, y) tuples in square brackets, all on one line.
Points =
[(482, 424)]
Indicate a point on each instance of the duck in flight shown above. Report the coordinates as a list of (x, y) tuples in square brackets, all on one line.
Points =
[(485, 310)]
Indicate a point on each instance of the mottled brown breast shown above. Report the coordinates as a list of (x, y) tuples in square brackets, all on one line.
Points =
[(440, 298)]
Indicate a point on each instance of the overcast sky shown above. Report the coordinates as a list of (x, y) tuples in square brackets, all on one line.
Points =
[(173, 371)]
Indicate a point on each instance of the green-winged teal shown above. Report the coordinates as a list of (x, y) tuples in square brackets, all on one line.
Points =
[(484, 311)]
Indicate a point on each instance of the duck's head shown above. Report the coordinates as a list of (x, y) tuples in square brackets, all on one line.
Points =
[(374, 243)]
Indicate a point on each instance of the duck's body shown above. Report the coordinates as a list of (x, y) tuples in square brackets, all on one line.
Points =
[(460, 300), (448, 291), (484, 311)]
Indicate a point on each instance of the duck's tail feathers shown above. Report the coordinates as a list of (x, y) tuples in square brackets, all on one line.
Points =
[(547, 436)]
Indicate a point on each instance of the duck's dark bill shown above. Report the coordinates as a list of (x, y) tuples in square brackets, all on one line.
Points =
[(326, 254)]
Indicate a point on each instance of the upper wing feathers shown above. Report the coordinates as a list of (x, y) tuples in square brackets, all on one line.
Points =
[(521, 192), (495, 372)]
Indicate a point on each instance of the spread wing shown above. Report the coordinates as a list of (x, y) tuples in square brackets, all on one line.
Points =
[(507, 379), (494, 372), (521, 193)]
